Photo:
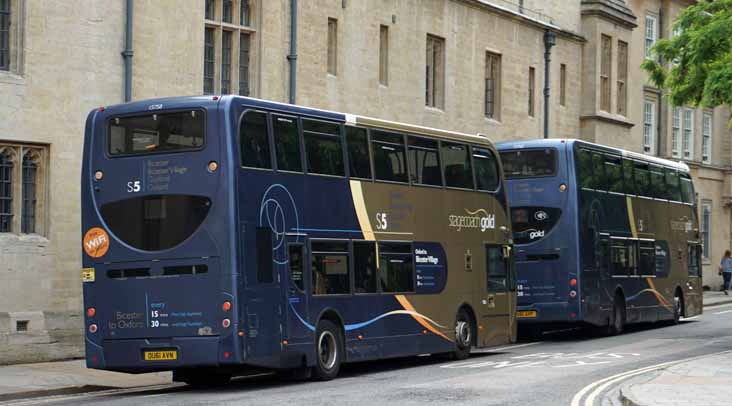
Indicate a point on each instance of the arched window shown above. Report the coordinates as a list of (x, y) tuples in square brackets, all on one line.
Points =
[(30, 175), (6, 191)]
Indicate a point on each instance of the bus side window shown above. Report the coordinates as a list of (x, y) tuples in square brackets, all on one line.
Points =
[(687, 190), (330, 268), (658, 183), (598, 166), (389, 158), (424, 162), (265, 271), (458, 172), (585, 169), (297, 266), (364, 266), (647, 258), (662, 259), (623, 257), (672, 185), (497, 272), (254, 141), (287, 143), (358, 152), (614, 174), (628, 177), (643, 180), (323, 151), (486, 170), (694, 253), (396, 267)]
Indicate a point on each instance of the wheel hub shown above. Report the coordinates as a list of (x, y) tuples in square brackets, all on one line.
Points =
[(462, 333), (327, 350)]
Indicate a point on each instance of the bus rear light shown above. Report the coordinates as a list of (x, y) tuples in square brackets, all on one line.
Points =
[(93, 328), (241, 334), (227, 354), (98, 175), (562, 187), (573, 282), (91, 312), (215, 98), (572, 293), (213, 166), (226, 323), (573, 315), (94, 359), (226, 306)]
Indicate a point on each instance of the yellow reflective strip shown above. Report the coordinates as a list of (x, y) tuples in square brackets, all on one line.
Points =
[(363, 216)]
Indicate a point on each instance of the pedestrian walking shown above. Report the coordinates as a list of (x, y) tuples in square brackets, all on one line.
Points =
[(725, 269)]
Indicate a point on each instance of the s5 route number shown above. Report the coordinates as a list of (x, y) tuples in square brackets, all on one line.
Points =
[(381, 221), (133, 186)]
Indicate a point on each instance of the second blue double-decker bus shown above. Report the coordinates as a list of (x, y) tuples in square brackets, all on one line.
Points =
[(603, 236)]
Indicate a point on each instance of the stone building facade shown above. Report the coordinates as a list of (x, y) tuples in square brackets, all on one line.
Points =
[(485, 65)]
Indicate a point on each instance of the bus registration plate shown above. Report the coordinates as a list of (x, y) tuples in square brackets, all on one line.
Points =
[(171, 355), (526, 314)]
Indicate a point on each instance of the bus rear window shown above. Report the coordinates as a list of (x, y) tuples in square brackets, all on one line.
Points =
[(155, 133), (531, 163)]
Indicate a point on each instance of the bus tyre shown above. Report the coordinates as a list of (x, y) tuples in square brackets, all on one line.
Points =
[(678, 308), (464, 335), (616, 324), (328, 351)]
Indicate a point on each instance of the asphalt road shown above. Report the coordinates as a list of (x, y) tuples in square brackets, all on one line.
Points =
[(565, 368)]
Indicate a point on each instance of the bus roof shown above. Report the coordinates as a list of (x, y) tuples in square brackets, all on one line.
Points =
[(348, 119), (554, 142)]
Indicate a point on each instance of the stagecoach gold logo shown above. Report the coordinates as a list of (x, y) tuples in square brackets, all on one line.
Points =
[(479, 219)]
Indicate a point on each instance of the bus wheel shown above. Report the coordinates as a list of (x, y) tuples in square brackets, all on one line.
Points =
[(617, 319), (678, 307), (464, 335), (328, 351)]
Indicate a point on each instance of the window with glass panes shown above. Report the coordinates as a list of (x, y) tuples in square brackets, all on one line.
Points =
[(707, 138), (651, 34), (676, 133), (688, 140), (244, 18), (210, 9), (492, 84), (227, 11), (706, 214), (226, 62), (435, 72), (649, 125), (4, 34), (209, 59), (6, 191), (30, 172), (605, 67), (244, 44)]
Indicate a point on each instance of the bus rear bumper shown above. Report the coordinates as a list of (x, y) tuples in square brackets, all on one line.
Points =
[(128, 355), (551, 312)]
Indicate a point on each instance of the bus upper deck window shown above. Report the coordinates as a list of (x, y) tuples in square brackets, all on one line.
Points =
[(255, 152), (358, 152), (287, 143), (424, 162), (154, 133), (457, 165), (486, 169), (323, 147), (389, 160)]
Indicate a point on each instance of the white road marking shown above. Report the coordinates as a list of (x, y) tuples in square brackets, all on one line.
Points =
[(726, 311), (510, 347), (601, 385)]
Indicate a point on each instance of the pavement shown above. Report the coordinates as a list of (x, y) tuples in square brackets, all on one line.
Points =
[(704, 379)]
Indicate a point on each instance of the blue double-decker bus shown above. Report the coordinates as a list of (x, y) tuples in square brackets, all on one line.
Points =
[(223, 235), (603, 236)]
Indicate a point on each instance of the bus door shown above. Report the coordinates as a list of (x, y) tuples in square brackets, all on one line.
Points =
[(497, 301), (264, 299), (295, 287), (693, 289)]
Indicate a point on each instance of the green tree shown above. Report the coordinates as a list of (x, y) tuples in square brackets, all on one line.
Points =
[(695, 66)]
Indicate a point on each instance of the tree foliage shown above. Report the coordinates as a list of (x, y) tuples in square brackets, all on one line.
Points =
[(695, 66)]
